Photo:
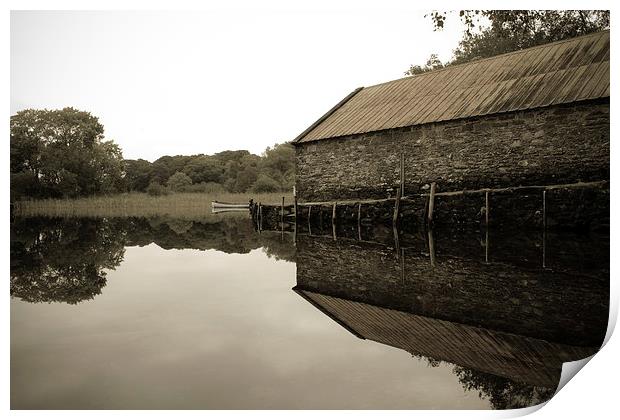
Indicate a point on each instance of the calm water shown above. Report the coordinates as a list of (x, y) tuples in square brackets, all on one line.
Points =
[(163, 313)]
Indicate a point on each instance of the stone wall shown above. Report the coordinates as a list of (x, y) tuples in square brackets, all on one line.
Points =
[(554, 145)]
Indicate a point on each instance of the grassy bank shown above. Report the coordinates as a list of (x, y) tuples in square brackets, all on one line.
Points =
[(181, 205)]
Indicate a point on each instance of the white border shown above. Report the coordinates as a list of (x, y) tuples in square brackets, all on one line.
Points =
[(592, 393)]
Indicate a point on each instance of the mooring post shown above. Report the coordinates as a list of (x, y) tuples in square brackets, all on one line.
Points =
[(359, 221), (402, 173), (295, 203), (431, 247), (396, 242), (402, 266), (486, 245), (544, 249), (544, 238), (334, 221), (282, 215), (544, 208), (486, 208), (396, 206), (431, 202)]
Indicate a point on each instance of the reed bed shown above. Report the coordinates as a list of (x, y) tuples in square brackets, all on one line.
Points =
[(179, 205)]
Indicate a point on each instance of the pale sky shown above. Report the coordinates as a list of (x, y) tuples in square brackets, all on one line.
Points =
[(168, 83)]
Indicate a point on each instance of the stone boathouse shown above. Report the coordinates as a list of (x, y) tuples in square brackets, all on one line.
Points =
[(534, 123)]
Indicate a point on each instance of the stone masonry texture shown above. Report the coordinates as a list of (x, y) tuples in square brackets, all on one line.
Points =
[(546, 146)]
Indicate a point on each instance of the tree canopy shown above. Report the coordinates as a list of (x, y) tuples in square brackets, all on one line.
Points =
[(63, 154), (491, 32), (230, 170)]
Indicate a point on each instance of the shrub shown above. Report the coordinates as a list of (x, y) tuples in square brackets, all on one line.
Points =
[(156, 189), (179, 182), (206, 187), (265, 184)]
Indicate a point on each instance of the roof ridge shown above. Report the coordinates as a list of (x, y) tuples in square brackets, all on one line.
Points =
[(452, 66)]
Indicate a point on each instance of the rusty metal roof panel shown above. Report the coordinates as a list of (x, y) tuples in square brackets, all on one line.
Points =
[(561, 72)]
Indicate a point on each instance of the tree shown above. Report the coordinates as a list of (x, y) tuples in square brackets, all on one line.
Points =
[(179, 182), (137, 174), (203, 168), (61, 153), (265, 184), (502, 393), (156, 189), (433, 63), (278, 163), (491, 32)]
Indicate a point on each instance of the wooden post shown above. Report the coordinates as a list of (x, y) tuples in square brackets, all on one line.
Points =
[(486, 208), (544, 209), (396, 242), (431, 202), (334, 221), (295, 204), (309, 212), (402, 174), (431, 247), (282, 215), (260, 217), (402, 266), (295, 231), (486, 246), (544, 249), (359, 221), (396, 206)]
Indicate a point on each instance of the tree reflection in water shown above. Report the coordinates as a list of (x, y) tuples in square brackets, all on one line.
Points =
[(65, 260)]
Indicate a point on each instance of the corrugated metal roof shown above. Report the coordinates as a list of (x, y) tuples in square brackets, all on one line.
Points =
[(561, 72)]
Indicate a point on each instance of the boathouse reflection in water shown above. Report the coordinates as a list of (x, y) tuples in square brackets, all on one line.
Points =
[(506, 309)]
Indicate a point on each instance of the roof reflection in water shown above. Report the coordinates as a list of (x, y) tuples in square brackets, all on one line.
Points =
[(506, 309)]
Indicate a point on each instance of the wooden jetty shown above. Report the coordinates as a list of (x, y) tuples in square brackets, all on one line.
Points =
[(575, 206)]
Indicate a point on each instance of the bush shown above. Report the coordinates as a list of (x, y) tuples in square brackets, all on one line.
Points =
[(206, 187), (179, 182), (156, 189), (265, 184)]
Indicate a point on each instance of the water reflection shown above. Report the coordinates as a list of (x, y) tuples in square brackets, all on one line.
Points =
[(502, 310), (65, 260), (506, 309)]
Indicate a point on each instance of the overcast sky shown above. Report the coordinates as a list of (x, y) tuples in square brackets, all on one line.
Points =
[(168, 83)]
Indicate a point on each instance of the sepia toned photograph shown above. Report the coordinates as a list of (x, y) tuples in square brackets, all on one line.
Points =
[(307, 208)]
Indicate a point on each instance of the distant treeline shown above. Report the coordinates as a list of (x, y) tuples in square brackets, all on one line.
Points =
[(232, 171), (62, 154)]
